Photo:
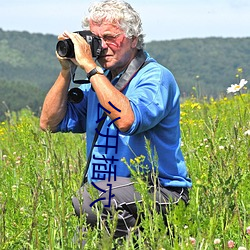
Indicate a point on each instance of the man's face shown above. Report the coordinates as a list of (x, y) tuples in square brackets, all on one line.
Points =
[(118, 50)]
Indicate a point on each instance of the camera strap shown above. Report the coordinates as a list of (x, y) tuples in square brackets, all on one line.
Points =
[(136, 64)]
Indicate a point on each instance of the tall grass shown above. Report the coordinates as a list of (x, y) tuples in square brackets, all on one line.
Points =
[(40, 172)]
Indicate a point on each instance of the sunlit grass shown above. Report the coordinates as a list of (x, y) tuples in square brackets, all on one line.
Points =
[(40, 172)]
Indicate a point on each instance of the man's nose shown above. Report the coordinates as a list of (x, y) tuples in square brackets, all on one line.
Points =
[(104, 44)]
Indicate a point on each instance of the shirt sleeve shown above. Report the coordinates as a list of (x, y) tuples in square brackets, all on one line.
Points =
[(152, 98), (75, 117)]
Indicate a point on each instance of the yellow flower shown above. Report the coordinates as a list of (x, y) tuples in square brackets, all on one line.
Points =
[(195, 105), (132, 162), (240, 70)]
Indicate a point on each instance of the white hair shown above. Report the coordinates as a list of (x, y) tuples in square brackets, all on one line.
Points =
[(120, 13)]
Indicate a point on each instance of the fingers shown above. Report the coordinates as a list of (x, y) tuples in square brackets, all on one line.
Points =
[(67, 35), (63, 36), (66, 60), (82, 49), (75, 37), (72, 36)]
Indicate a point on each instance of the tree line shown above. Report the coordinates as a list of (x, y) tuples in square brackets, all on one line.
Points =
[(202, 67)]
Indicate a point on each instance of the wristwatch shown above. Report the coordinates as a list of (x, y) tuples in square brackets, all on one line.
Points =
[(96, 70)]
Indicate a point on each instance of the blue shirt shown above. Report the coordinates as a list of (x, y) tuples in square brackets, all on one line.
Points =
[(154, 97)]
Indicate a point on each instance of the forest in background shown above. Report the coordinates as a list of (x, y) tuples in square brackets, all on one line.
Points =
[(202, 67)]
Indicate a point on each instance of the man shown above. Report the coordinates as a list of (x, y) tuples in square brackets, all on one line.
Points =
[(141, 100)]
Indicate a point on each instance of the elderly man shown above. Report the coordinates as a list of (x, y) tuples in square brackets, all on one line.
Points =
[(140, 101)]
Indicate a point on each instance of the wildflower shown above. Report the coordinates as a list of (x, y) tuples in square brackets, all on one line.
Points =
[(221, 147), (247, 133), (195, 106), (137, 159), (198, 182), (45, 216), (248, 230), (216, 241), (14, 188), (240, 70), (237, 87), (242, 248), (132, 162), (192, 240), (230, 244)]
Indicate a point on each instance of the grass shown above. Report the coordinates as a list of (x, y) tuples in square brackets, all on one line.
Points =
[(40, 172)]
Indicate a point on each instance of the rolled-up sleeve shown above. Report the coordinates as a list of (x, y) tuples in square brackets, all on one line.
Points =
[(75, 117)]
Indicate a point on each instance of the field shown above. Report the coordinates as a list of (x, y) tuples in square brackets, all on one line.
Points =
[(40, 172)]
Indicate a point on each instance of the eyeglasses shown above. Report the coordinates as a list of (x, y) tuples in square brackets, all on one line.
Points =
[(110, 38)]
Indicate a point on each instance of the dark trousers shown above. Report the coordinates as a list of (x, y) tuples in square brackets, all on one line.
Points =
[(123, 200)]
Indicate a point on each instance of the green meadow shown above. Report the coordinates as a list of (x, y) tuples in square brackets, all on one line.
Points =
[(40, 172)]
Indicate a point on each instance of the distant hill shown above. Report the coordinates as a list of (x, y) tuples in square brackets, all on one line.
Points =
[(28, 66), (28, 58), (209, 64)]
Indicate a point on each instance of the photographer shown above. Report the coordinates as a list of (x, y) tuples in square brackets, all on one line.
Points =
[(141, 100)]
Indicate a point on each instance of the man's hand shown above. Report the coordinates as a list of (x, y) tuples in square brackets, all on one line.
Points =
[(83, 54), (66, 63)]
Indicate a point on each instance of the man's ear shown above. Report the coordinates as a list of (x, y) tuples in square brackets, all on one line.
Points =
[(134, 42)]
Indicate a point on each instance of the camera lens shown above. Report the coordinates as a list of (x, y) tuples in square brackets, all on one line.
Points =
[(75, 95), (65, 48)]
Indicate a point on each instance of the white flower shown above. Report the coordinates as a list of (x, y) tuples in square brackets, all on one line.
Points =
[(248, 230), (246, 133), (22, 210), (237, 87), (192, 240), (242, 248), (217, 241)]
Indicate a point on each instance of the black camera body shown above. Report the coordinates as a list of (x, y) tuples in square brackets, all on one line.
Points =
[(65, 48)]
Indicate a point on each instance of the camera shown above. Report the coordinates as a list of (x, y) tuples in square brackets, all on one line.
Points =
[(65, 48)]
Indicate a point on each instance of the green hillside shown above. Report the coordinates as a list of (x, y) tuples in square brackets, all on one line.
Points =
[(28, 66), (211, 63), (28, 57)]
